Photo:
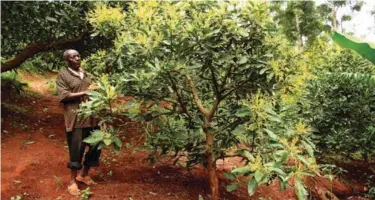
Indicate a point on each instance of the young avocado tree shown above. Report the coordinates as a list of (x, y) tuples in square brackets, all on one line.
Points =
[(199, 73)]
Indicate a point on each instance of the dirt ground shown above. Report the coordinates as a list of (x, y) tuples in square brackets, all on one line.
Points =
[(34, 157)]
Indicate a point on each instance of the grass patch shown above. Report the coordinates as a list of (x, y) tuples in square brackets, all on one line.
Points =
[(58, 181), (15, 108), (11, 80), (51, 84)]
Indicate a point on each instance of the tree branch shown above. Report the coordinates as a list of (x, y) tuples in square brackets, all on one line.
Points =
[(227, 74), (179, 97), (230, 125), (235, 88), (214, 80), (213, 109), (217, 93), (231, 155), (196, 99), (35, 48)]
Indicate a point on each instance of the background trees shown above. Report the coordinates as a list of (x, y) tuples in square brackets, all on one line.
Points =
[(300, 21), (31, 28), (305, 21)]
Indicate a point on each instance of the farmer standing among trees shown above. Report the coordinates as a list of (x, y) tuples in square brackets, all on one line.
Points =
[(72, 85)]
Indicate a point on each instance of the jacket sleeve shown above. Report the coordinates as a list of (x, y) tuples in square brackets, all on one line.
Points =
[(62, 88)]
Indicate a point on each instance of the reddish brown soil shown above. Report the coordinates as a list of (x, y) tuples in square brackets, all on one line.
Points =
[(34, 155)]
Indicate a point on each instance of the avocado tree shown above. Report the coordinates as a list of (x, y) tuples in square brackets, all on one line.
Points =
[(201, 78)]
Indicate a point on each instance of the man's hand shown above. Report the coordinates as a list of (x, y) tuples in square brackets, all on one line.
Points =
[(77, 95)]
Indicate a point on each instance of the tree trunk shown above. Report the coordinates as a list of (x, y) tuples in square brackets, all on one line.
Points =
[(334, 20), (342, 28), (214, 181), (209, 149), (300, 36), (35, 48)]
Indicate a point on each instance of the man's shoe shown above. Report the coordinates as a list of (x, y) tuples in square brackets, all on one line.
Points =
[(86, 180), (73, 189)]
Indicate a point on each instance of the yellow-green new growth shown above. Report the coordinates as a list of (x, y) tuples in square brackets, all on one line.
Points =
[(104, 15)]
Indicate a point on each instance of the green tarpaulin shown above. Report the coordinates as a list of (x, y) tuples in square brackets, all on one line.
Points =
[(366, 50)]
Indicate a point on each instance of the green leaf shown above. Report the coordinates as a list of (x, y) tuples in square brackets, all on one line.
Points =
[(107, 141), (258, 175), (308, 148), (270, 75), (95, 34), (242, 112), (65, 15), (229, 176), (239, 130), (117, 142), (247, 154), (232, 187), (120, 64), (262, 71), (282, 184), (252, 127), (100, 146), (148, 64), (58, 13), (241, 170), (212, 33), (273, 118), (51, 19), (117, 149), (300, 190), (242, 60), (284, 157), (95, 137), (303, 159), (251, 186), (243, 33), (281, 156), (271, 134), (279, 171)]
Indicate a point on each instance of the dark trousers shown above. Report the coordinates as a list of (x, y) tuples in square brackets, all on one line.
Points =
[(77, 149)]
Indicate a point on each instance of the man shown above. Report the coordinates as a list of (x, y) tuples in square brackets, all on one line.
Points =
[(72, 85)]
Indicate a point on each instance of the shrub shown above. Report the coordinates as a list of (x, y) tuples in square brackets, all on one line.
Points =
[(10, 80), (342, 104)]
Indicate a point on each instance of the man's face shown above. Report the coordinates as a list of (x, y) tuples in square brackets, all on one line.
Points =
[(74, 59)]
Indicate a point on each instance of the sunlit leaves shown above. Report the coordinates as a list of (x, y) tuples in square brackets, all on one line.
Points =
[(302, 128), (106, 136), (292, 150), (251, 186), (104, 18), (101, 102), (96, 63), (300, 190)]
